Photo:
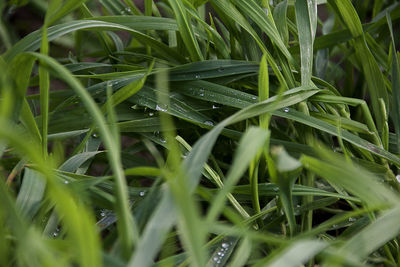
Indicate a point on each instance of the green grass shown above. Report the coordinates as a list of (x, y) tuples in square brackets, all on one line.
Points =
[(200, 133)]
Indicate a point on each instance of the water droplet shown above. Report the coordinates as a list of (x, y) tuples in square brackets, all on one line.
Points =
[(201, 92), (218, 261), (197, 76), (162, 107), (398, 178), (254, 97), (128, 9), (151, 114), (102, 213), (335, 226), (162, 140), (95, 135), (351, 219), (135, 107), (225, 245), (214, 107), (275, 189), (210, 123), (142, 193), (173, 95), (66, 182), (286, 109), (56, 232), (219, 253), (267, 12), (215, 259)]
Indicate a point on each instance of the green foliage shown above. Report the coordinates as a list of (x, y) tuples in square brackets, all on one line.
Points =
[(200, 133)]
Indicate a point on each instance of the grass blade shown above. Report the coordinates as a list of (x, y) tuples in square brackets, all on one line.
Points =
[(373, 75), (186, 30), (125, 219), (306, 17)]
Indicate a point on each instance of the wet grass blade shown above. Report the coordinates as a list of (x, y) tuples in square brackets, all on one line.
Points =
[(125, 220), (32, 41)]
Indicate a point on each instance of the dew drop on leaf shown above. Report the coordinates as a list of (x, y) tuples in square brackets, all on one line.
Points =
[(162, 107), (201, 92), (225, 245)]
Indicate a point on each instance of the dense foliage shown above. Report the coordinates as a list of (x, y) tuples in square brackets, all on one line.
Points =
[(200, 133)]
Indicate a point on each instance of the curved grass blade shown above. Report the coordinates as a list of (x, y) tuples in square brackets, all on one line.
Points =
[(185, 30), (125, 222), (230, 11), (372, 73), (32, 41), (265, 22), (78, 220), (211, 69)]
